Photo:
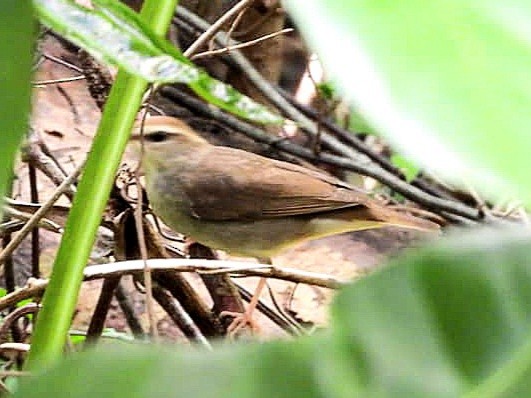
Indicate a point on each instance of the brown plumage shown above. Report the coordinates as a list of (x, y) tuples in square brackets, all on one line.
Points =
[(247, 204)]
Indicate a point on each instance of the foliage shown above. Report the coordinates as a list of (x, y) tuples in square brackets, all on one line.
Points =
[(406, 166), (113, 33), (446, 321), (445, 80), (450, 320), (16, 32)]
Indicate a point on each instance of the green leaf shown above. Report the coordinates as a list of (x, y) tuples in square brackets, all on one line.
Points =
[(272, 370), (76, 339), (326, 90), (359, 124), (442, 322), (407, 167), (448, 321), (16, 42), (116, 35), (447, 81)]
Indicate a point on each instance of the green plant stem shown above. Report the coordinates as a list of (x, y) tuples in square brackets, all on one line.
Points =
[(53, 322)]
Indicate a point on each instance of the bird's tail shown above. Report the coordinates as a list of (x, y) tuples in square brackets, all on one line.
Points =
[(390, 216), (362, 218)]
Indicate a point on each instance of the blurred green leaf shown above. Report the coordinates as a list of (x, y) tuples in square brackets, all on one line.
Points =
[(116, 35), (77, 338), (16, 42), (272, 370), (447, 81), (443, 321), (447, 321), (326, 90), (407, 167), (359, 124)]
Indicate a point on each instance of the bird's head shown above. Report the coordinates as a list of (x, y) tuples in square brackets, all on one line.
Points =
[(161, 133)]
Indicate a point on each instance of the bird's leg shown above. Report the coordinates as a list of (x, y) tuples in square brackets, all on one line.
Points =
[(241, 320)]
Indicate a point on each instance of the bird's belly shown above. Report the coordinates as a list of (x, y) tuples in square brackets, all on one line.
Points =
[(263, 238), (259, 238)]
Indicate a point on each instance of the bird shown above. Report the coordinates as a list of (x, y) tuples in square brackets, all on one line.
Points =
[(246, 204)]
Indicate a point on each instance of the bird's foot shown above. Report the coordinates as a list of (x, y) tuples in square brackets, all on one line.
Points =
[(239, 322)]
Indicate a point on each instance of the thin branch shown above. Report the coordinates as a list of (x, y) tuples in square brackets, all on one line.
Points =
[(36, 152), (23, 216), (35, 233), (211, 31), (241, 45), (33, 289), (139, 224), (359, 145), (129, 312), (97, 322), (57, 81), (39, 214), (180, 316), (184, 265), (9, 320), (62, 62)]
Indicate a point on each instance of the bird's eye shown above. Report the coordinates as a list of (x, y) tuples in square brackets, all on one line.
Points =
[(156, 136)]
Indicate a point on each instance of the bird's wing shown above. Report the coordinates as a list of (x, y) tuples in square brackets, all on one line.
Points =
[(242, 185)]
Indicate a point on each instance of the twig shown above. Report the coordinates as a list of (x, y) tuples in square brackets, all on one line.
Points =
[(18, 348), (211, 31), (23, 216), (187, 296), (221, 288), (9, 269), (362, 147), (35, 233), (33, 221), (195, 265), (139, 224), (180, 316), (34, 151), (181, 265), (62, 62), (57, 81), (129, 312), (8, 320), (241, 45), (97, 322), (234, 24), (8, 227), (30, 290), (14, 373), (348, 136)]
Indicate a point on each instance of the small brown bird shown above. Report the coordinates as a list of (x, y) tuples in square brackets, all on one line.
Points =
[(247, 204)]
